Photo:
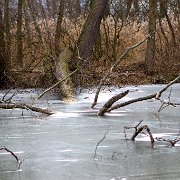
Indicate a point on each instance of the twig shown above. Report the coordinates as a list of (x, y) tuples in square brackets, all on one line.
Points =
[(172, 142), (116, 153), (113, 66), (165, 104), (132, 127), (17, 159), (95, 152), (158, 95), (9, 99)]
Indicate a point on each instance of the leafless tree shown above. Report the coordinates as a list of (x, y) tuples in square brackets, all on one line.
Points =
[(151, 47), (19, 33)]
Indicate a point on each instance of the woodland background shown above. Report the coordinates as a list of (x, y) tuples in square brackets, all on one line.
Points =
[(33, 33)]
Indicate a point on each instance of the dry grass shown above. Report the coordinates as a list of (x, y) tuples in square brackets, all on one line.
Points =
[(114, 41)]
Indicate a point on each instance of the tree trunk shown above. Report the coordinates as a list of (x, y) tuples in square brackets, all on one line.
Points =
[(163, 8), (78, 8), (151, 47), (90, 30), (3, 62), (7, 31), (128, 6), (58, 27), (172, 30), (19, 34), (62, 61)]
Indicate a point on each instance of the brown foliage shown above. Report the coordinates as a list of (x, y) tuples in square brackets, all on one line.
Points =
[(113, 44)]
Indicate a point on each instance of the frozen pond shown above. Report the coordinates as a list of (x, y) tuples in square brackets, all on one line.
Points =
[(62, 146)]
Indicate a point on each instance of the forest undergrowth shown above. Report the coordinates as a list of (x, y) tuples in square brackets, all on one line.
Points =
[(114, 39)]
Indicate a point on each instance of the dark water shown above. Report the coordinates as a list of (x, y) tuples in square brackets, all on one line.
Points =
[(62, 146)]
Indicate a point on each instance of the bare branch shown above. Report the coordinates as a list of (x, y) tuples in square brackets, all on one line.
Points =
[(165, 104), (17, 159), (116, 153), (8, 99), (132, 127), (155, 95), (95, 152), (172, 142), (131, 101), (113, 66), (167, 86), (138, 130), (55, 85)]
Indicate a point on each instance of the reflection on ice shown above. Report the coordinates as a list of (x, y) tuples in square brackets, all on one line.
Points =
[(16, 152), (115, 114), (64, 115), (67, 160), (16, 171), (66, 150)]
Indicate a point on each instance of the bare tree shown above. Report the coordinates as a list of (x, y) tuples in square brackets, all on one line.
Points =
[(90, 29), (58, 27), (151, 47), (3, 60), (19, 33), (7, 30)]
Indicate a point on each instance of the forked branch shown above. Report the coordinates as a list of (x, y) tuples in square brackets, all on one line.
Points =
[(155, 95), (113, 66), (138, 130)]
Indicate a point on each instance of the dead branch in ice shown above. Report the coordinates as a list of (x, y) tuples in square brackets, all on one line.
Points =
[(171, 141), (111, 101), (139, 130), (131, 127), (25, 106), (13, 154), (95, 151), (165, 103), (116, 153), (155, 95), (113, 66)]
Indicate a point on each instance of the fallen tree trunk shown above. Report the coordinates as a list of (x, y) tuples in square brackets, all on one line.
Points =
[(132, 101), (155, 95), (25, 106), (111, 101)]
